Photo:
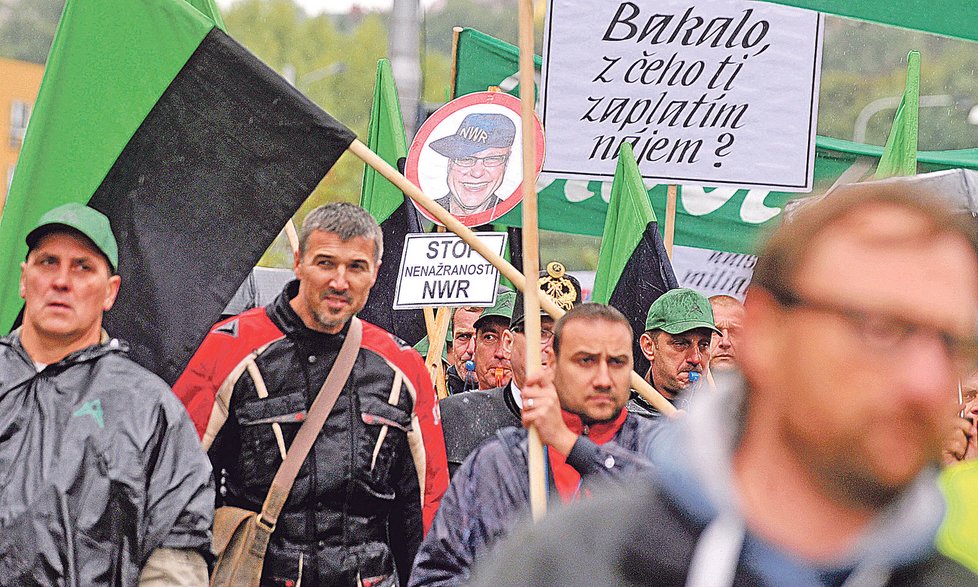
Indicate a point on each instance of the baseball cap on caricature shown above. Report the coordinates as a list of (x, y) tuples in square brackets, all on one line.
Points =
[(91, 223), (476, 133)]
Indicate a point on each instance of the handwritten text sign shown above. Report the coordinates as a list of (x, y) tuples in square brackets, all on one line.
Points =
[(713, 92)]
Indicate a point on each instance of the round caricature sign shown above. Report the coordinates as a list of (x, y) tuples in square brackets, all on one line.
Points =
[(468, 157)]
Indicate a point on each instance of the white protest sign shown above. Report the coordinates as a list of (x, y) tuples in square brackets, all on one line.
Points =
[(708, 92), (440, 269)]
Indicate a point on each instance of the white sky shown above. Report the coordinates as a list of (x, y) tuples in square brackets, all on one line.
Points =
[(314, 7)]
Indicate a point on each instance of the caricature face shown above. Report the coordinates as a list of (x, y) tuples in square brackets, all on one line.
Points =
[(473, 180)]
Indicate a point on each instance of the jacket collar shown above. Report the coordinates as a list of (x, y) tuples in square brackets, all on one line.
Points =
[(285, 318), (105, 346)]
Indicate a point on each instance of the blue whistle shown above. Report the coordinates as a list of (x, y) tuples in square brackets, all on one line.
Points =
[(694, 376)]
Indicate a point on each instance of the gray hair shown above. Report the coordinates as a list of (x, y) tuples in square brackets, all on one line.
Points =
[(347, 221)]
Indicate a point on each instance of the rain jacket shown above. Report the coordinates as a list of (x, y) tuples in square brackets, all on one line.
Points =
[(489, 496), (99, 466), (375, 472)]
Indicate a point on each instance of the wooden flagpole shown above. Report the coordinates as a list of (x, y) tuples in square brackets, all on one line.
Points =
[(531, 250), (453, 224), (670, 232)]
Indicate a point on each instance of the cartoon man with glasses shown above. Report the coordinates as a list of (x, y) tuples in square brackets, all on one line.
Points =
[(477, 156)]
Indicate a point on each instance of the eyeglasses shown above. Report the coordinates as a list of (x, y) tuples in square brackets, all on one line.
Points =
[(545, 333), (491, 161), (884, 332)]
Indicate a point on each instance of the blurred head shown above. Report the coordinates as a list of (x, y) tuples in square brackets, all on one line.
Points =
[(728, 315), (591, 355), (881, 285), (463, 337), (337, 263)]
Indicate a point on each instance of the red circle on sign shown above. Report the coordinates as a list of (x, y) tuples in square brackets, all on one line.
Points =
[(460, 130)]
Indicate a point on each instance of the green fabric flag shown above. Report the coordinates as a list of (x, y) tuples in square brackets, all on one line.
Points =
[(629, 212), (952, 18), (117, 52), (900, 154), (385, 136), (633, 268), (194, 149)]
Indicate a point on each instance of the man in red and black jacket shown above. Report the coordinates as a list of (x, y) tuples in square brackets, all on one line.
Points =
[(370, 485)]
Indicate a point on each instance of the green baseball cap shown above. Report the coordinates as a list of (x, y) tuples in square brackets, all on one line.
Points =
[(680, 310), (88, 221), (503, 308)]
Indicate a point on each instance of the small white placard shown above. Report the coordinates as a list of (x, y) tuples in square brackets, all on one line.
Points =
[(441, 269)]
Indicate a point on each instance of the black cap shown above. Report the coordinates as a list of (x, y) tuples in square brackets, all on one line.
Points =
[(561, 287)]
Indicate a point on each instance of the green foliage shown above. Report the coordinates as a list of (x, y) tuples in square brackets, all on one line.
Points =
[(27, 28)]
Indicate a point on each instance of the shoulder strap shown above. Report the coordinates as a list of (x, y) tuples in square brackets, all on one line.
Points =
[(304, 439)]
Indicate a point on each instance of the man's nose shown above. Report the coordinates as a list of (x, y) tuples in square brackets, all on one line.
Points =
[(724, 342), (695, 355), (62, 279), (602, 377), (338, 280)]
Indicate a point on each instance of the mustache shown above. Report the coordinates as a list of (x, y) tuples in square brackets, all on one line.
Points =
[(332, 292)]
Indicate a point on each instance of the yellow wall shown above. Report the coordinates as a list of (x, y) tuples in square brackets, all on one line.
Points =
[(19, 81)]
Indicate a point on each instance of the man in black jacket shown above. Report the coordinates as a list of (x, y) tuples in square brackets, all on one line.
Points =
[(578, 409), (820, 469), (372, 480), (103, 481)]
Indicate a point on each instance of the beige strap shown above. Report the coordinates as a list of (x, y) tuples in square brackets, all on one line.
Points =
[(304, 439)]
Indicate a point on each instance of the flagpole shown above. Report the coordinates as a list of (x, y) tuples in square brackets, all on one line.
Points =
[(453, 224), (436, 344), (456, 31), (670, 233), (531, 250)]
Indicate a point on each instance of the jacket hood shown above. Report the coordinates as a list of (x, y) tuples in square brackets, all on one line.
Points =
[(695, 459)]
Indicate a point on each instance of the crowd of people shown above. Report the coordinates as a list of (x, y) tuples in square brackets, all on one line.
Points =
[(812, 421)]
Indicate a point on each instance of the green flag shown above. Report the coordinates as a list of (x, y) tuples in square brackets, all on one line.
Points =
[(385, 136), (952, 18), (196, 151), (900, 154), (633, 268)]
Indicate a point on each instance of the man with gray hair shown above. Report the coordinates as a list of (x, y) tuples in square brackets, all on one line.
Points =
[(375, 474)]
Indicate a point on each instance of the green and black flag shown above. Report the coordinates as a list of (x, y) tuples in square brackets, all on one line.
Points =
[(391, 208), (196, 151), (633, 268)]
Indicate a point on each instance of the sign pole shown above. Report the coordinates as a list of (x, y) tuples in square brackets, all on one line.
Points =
[(670, 232), (374, 160), (531, 251)]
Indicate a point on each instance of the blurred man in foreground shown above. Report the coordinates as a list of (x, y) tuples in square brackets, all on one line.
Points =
[(820, 469)]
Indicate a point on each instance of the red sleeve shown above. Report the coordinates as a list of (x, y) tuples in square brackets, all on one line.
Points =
[(226, 346), (435, 465)]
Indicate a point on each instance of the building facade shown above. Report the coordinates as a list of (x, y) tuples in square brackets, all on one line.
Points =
[(18, 91)]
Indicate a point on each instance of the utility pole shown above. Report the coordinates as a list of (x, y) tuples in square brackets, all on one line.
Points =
[(405, 52)]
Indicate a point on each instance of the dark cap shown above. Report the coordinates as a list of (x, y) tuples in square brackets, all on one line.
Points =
[(680, 310), (561, 287), (477, 133), (90, 222), (503, 309)]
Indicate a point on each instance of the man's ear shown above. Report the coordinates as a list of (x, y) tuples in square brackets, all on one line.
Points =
[(111, 291), (23, 286), (647, 344), (550, 356), (296, 263), (507, 342)]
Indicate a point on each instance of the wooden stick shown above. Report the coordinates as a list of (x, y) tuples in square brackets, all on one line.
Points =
[(456, 31), (429, 322), (436, 344), (670, 234), (531, 251), (292, 235), (512, 274)]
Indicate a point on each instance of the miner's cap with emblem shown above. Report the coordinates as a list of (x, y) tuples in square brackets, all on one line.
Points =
[(477, 132), (562, 287), (680, 310)]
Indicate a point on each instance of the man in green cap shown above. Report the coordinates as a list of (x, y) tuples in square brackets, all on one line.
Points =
[(678, 333), (110, 485), (492, 367)]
